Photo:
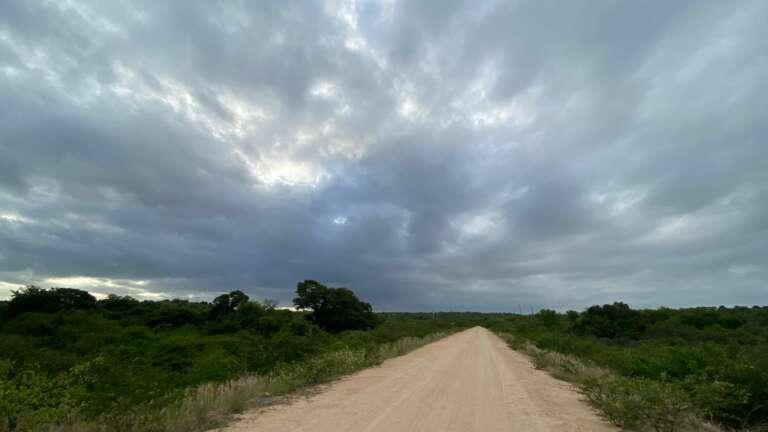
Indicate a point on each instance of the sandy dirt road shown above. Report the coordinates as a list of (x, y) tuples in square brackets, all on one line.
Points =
[(470, 381)]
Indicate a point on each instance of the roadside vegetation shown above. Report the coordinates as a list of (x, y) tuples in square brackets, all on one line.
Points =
[(71, 362), (655, 370)]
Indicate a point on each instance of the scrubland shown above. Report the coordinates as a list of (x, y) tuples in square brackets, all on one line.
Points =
[(71, 363)]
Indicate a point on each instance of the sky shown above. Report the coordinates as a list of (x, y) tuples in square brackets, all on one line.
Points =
[(429, 155)]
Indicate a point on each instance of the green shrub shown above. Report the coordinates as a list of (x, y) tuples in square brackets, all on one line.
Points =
[(208, 405), (642, 404), (703, 357)]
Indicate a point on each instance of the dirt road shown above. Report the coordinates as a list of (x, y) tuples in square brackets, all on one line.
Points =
[(470, 381)]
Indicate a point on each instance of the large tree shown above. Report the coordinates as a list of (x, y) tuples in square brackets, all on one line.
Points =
[(334, 309)]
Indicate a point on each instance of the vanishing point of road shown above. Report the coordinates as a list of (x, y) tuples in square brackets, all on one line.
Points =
[(470, 381)]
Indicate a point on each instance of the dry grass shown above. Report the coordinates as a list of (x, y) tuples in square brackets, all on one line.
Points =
[(406, 345)]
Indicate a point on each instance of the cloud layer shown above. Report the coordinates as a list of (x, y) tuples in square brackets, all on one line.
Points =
[(429, 155)]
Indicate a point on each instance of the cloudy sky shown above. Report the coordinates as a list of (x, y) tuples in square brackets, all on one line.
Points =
[(428, 155)]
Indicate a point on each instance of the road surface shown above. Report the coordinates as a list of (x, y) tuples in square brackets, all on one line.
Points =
[(470, 381)]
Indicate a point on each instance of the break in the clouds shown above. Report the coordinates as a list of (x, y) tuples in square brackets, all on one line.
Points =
[(428, 155)]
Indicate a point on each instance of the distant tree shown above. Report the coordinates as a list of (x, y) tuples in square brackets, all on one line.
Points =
[(548, 318), (610, 321), (249, 313), (573, 316), (702, 318), (270, 304), (334, 309), (3, 311), (226, 304), (175, 313), (35, 299), (237, 298), (117, 303)]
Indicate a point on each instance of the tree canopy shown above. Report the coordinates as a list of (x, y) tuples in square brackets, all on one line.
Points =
[(34, 299), (334, 309), (610, 321)]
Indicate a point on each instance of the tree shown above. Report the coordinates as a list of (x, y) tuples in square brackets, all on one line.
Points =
[(573, 316), (548, 318), (115, 302), (226, 304), (249, 313), (610, 321), (237, 298), (34, 299), (334, 309), (270, 304)]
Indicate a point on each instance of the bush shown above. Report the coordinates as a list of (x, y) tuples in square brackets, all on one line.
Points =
[(642, 404)]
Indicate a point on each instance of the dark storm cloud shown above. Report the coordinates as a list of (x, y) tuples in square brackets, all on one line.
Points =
[(428, 155)]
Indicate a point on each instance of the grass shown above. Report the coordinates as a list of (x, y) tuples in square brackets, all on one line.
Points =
[(212, 405), (631, 403)]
